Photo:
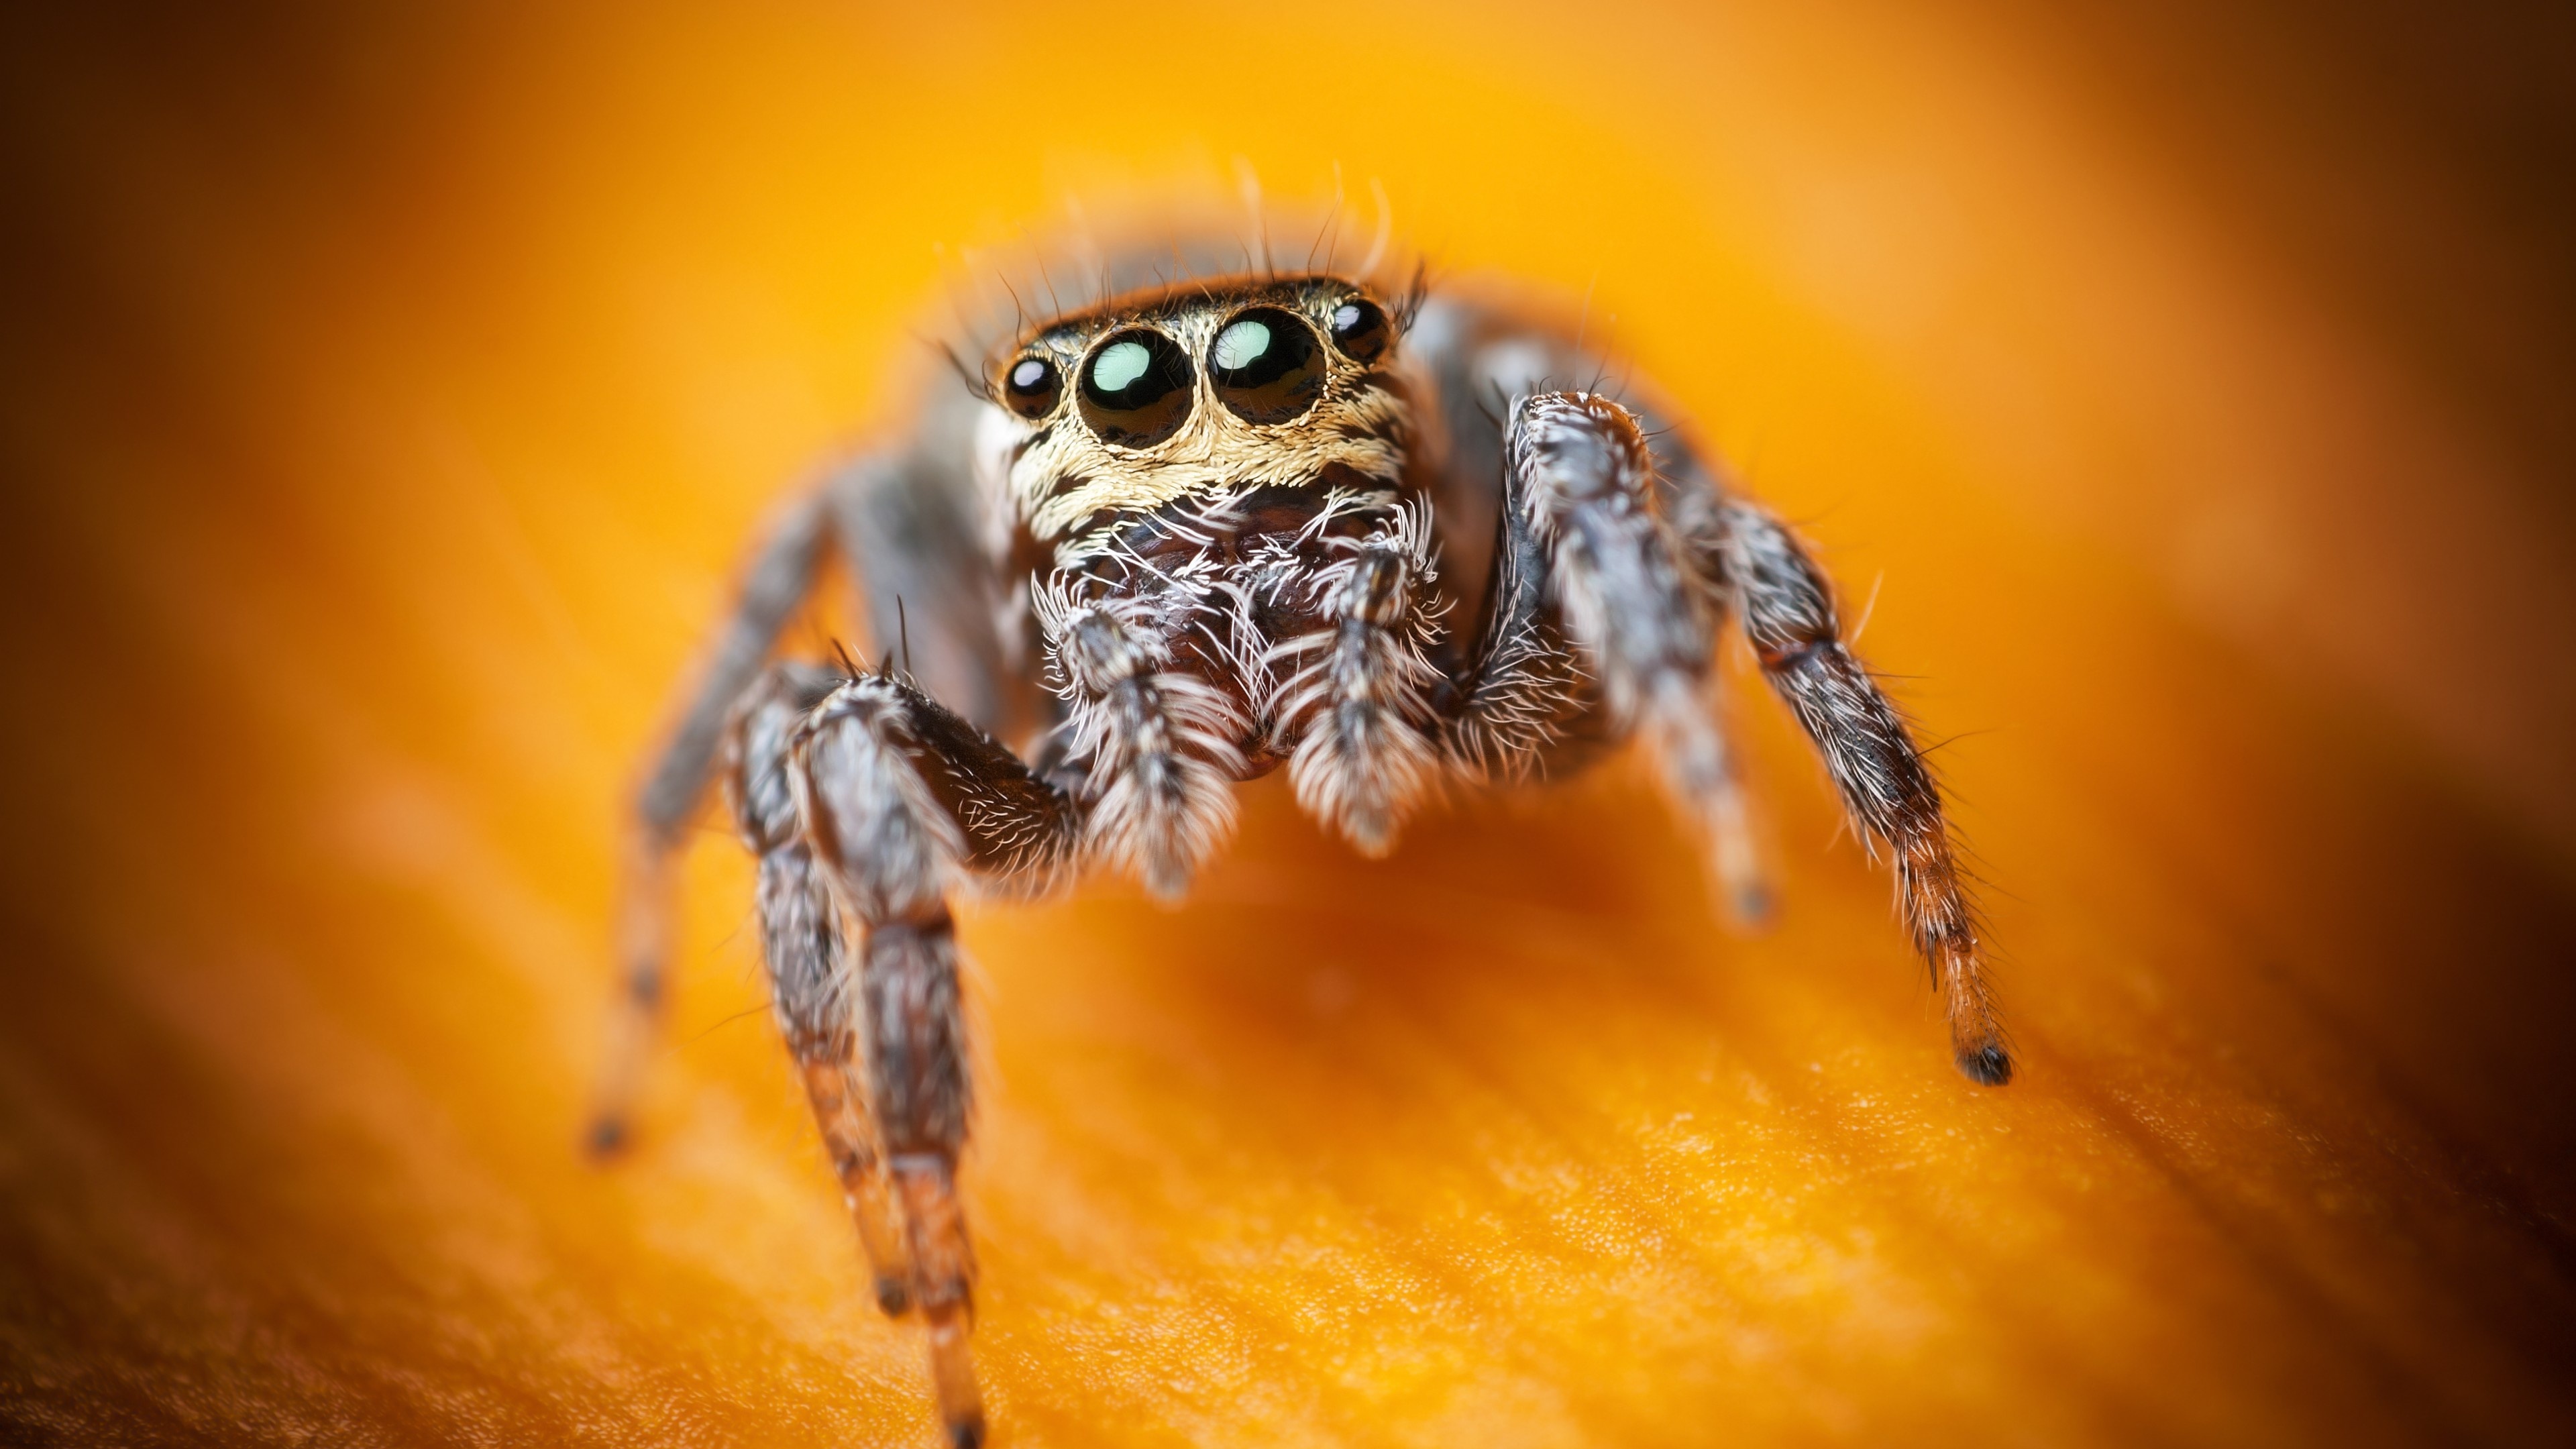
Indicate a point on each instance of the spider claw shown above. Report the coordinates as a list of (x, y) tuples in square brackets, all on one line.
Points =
[(952, 1377), (1750, 905), (1987, 1065), (607, 1138), (893, 1296)]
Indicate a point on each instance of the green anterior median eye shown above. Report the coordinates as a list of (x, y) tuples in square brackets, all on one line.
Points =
[(1136, 389), (1120, 364), (1240, 345), (1267, 366)]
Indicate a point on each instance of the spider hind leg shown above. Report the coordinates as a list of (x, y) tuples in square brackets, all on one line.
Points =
[(777, 582)]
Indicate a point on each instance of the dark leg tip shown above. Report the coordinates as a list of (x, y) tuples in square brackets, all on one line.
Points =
[(606, 1138), (1987, 1066), (967, 1434), (893, 1297), (644, 988)]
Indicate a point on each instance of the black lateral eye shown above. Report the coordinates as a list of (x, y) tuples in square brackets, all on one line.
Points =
[(1266, 365), (1361, 330), (1136, 389), (1032, 386)]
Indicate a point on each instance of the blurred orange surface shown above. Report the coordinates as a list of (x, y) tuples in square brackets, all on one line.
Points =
[(390, 393)]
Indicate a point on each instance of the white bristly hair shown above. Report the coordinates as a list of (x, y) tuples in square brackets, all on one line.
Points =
[(1162, 739), (1358, 703)]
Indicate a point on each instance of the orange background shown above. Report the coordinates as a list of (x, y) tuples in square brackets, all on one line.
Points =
[(387, 396)]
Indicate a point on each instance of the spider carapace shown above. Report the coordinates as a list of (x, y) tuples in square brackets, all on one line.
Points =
[(1177, 540)]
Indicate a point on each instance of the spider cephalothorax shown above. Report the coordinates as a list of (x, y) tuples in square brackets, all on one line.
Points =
[(1174, 541), (1212, 483)]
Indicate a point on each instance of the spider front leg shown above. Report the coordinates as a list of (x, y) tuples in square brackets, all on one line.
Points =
[(1154, 738), (808, 956), (1580, 483), (897, 797), (1789, 616), (1358, 703), (900, 524)]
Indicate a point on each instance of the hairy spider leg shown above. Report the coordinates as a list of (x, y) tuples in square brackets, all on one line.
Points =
[(1528, 700), (1788, 614), (1578, 473), (907, 533), (806, 950), (1158, 738), (1524, 704), (1694, 509), (1358, 702), (903, 525), (898, 796), (775, 584)]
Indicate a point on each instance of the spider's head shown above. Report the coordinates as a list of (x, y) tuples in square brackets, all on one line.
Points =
[(1259, 391)]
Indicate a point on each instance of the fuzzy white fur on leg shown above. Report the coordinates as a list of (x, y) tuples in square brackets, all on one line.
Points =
[(1358, 702), (1162, 739)]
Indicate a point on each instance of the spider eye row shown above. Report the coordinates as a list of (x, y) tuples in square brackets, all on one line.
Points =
[(1134, 390)]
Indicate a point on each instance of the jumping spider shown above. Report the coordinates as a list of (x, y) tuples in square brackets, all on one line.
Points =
[(1180, 539)]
